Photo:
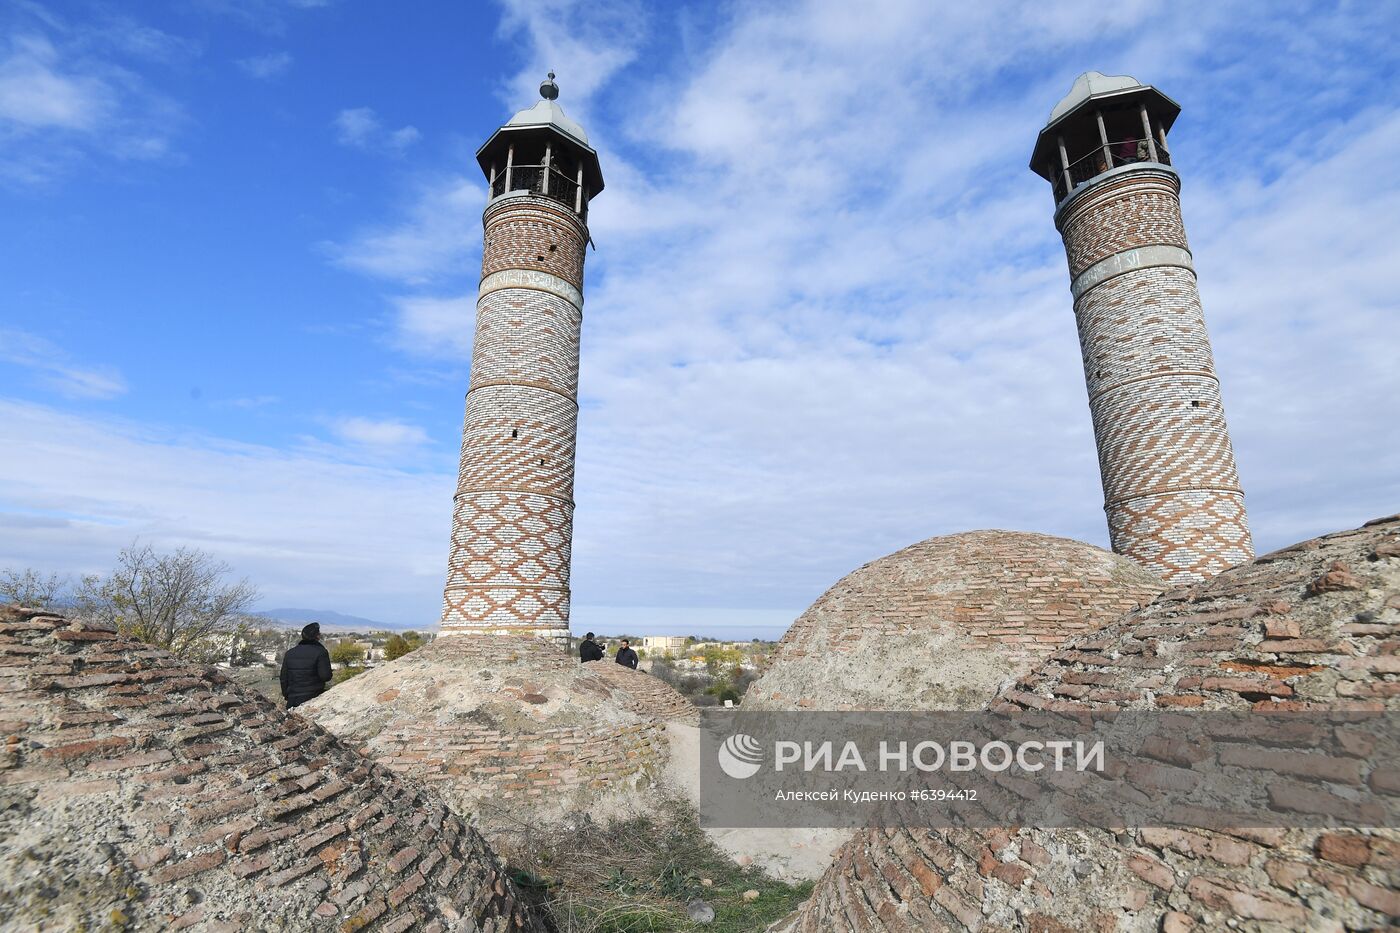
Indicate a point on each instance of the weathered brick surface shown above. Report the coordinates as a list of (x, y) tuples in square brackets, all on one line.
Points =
[(512, 520), (508, 724), (947, 620), (1171, 489), (1259, 879), (166, 815)]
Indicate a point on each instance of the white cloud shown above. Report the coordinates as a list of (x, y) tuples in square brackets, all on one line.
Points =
[(440, 327), (585, 42), (438, 237), (266, 67), (66, 97), (35, 92), (404, 137), (829, 313), (354, 127), (360, 127), (388, 435), (310, 530), (56, 370)]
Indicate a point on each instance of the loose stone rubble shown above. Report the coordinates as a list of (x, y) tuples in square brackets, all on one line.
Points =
[(1313, 626), (141, 792), (944, 623)]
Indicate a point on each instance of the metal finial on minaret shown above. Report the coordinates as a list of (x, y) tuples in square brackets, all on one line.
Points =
[(548, 89)]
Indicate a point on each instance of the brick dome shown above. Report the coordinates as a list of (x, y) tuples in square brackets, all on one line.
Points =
[(140, 792), (1313, 626), (945, 622), (508, 723)]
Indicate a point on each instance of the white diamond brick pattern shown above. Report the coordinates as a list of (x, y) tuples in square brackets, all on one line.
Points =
[(512, 520), (1171, 490)]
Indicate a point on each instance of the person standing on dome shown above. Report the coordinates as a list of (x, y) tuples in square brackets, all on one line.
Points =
[(306, 668), (626, 656), (589, 650)]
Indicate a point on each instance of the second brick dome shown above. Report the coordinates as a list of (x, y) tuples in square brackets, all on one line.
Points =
[(945, 622)]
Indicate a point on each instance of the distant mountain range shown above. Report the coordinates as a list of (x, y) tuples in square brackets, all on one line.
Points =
[(331, 620)]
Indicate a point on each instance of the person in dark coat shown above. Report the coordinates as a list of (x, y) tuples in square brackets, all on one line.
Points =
[(626, 656), (589, 650), (306, 668)]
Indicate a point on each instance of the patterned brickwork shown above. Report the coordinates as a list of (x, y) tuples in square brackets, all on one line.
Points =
[(140, 792), (947, 620), (1171, 490), (512, 525), (1314, 626), (530, 232), (1132, 209), (518, 438), (527, 337)]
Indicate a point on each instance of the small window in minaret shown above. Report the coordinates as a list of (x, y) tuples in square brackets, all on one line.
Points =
[(542, 461), (514, 433), (1195, 404)]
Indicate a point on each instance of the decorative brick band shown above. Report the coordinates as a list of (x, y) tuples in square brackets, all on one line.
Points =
[(533, 234), (1142, 257), (529, 278), (1171, 490)]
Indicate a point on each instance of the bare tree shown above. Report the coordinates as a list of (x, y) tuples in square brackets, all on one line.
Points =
[(29, 587), (177, 601)]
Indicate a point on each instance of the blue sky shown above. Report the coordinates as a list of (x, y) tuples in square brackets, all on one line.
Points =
[(827, 316)]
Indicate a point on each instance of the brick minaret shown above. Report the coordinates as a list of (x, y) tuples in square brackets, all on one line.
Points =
[(1170, 486), (512, 517)]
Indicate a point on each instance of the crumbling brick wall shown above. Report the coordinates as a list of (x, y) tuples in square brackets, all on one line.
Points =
[(140, 791), (1314, 626)]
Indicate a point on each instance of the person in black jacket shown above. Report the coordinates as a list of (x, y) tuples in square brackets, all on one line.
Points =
[(306, 668), (589, 650), (626, 656)]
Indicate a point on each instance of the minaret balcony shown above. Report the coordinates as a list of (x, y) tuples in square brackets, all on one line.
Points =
[(532, 180), (1102, 159)]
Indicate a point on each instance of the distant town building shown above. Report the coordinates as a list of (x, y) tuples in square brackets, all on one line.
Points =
[(1171, 489), (663, 644)]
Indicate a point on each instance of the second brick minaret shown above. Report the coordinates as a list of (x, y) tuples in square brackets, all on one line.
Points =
[(1171, 490), (512, 518)]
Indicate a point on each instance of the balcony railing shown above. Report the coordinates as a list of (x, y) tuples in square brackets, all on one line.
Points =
[(531, 178), (1096, 162)]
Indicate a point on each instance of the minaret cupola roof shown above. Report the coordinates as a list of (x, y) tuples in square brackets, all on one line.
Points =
[(545, 117), (1103, 91)]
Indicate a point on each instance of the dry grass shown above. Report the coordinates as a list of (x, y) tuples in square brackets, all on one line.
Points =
[(636, 874)]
